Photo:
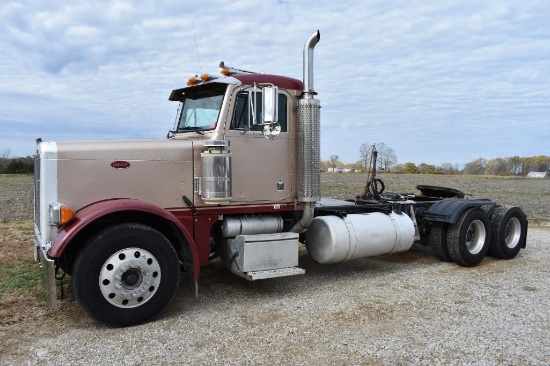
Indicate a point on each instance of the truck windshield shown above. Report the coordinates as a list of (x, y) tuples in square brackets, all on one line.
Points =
[(201, 109)]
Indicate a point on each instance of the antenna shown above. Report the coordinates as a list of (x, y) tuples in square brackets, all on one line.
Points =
[(197, 47)]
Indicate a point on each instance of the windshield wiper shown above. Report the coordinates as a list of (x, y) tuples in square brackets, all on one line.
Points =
[(195, 129)]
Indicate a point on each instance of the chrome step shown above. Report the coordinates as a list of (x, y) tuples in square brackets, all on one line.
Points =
[(273, 273)]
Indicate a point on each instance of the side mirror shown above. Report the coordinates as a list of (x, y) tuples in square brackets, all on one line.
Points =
[(270, 109), (270, 99)]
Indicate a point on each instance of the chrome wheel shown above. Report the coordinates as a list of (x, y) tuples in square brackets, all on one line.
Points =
[(129, 277), (512, 233), (475, 237)]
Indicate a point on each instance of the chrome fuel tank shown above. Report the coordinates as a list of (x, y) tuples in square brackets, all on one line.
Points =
[(331, 239)]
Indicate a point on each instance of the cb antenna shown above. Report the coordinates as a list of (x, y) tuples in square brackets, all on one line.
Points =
[(197, 47)]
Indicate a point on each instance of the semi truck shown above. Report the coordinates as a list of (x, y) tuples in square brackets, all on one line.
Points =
[(238, 180)]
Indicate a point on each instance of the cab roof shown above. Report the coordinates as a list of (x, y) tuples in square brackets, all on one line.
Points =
[(282, 82)]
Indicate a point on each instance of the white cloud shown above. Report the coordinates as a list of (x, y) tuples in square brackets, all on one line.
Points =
[(436, 81)]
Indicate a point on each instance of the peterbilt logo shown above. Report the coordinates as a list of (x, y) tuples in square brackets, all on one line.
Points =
[(119, 164)]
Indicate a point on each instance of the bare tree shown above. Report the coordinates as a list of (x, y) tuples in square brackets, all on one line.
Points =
[(334, 161), (476, 167), (365, 153), (449, 168), (386, 156)]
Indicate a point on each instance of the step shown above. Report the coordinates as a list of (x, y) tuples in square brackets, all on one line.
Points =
[(273, 273)]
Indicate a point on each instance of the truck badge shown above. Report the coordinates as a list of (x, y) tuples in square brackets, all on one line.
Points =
[(120, 164)]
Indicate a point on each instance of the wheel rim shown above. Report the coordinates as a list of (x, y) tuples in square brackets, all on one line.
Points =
[(475, 237), (512, 233), (129, 278)]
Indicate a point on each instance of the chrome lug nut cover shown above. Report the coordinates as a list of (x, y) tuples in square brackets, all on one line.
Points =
[(129, 277)]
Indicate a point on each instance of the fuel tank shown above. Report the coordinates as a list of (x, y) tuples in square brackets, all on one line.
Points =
[(331, 239), (250, 225)]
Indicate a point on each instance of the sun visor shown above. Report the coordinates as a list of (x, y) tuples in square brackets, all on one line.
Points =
[(179, 95)]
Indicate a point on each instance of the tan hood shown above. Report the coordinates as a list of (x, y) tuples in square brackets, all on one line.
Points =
[(155, 171)]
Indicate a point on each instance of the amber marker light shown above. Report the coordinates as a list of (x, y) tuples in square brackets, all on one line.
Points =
[(192, 81), (60, 214), (225, 72)]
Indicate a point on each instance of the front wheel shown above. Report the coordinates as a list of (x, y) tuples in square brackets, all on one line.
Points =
[(468, 240), (126, 274)]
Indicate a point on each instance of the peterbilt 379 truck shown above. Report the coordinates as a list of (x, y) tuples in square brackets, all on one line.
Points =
[(238, 178)]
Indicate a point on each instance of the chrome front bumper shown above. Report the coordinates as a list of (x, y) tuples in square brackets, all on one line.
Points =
[(47, 271)]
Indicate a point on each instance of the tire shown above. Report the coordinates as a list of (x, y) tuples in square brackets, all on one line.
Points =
[(489, 209), (509, 230), (468, 240), (126, 274), (438, 241)]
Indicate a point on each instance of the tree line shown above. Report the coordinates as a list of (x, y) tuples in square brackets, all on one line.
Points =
[(514, 165), (15, 165), (387, 160)]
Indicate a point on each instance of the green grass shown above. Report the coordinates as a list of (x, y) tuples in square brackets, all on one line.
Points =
[(20, 280), (21, 275)]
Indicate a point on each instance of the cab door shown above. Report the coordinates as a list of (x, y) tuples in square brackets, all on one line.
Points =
[(262, 170)]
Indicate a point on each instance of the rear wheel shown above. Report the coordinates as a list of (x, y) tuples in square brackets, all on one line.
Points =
[(126, 274), (509, 229), (438, 241), (468, 240)]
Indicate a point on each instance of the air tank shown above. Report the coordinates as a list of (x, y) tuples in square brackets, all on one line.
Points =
[(331, 239)]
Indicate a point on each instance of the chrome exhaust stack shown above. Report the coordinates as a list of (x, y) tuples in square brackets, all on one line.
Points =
[(308, 140), (308, 61)]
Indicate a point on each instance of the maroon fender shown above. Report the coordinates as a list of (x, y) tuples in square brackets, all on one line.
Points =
[(91, 213)]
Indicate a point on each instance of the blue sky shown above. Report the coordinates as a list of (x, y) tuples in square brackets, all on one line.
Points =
[(437, 81)]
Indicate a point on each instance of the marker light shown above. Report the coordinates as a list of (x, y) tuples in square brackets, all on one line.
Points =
[(192, 81), (60, 214), (227, 70)]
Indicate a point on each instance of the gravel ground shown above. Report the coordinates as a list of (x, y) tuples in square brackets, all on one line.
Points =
[(403, 309)]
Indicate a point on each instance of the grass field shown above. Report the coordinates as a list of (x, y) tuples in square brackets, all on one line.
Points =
[(16, 198), (22, 297)]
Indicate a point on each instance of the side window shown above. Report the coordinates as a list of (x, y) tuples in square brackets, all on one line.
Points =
[(242, 115), (282, 112)]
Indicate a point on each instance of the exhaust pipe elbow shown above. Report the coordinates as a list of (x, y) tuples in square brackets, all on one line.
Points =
[(308, 61), (307, 217)]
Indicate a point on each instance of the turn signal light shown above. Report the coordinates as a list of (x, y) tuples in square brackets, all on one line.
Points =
[(60, 214)]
